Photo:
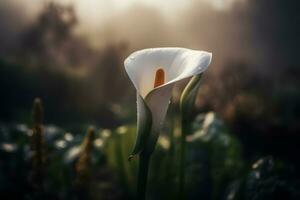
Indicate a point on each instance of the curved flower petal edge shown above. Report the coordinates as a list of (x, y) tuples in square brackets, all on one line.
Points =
[(144, 122), (156, 103), (154, 72)]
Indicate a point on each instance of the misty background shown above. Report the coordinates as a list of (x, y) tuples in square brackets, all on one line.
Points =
[(70, 53), (243, 138)]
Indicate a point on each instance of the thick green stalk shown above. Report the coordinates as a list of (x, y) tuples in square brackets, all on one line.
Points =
[(120, 162), (143, 175), (187, 102), (182, 160)]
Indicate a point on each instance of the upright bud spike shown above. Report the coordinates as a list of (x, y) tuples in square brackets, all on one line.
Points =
[(38, 111), (89, 140), (188, 97), (83, 165), (159, 78), (37, 146)]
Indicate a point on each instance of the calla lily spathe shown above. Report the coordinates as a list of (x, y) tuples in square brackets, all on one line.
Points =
[(154, 72)]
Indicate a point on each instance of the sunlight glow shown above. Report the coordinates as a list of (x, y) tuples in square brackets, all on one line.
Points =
[(94, 13)]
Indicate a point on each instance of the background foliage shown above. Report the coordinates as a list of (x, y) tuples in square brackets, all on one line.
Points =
[(244, 130)]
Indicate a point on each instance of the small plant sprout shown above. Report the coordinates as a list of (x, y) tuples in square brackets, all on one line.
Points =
[(153, 73)]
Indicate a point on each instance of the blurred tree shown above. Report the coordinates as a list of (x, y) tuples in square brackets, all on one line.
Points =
[(50, 41), (59, 66)]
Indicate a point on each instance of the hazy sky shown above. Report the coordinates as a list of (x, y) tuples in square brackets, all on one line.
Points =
[(190, 23), (97, 11)]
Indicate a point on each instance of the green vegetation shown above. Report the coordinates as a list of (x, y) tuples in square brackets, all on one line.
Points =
[(44, 161)]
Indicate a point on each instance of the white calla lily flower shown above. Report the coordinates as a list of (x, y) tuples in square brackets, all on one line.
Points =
[(154, 72)]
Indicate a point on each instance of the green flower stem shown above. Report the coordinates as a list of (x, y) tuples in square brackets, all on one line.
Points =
[(187, 102), (143, 175), (120, 161), (182, 159)]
